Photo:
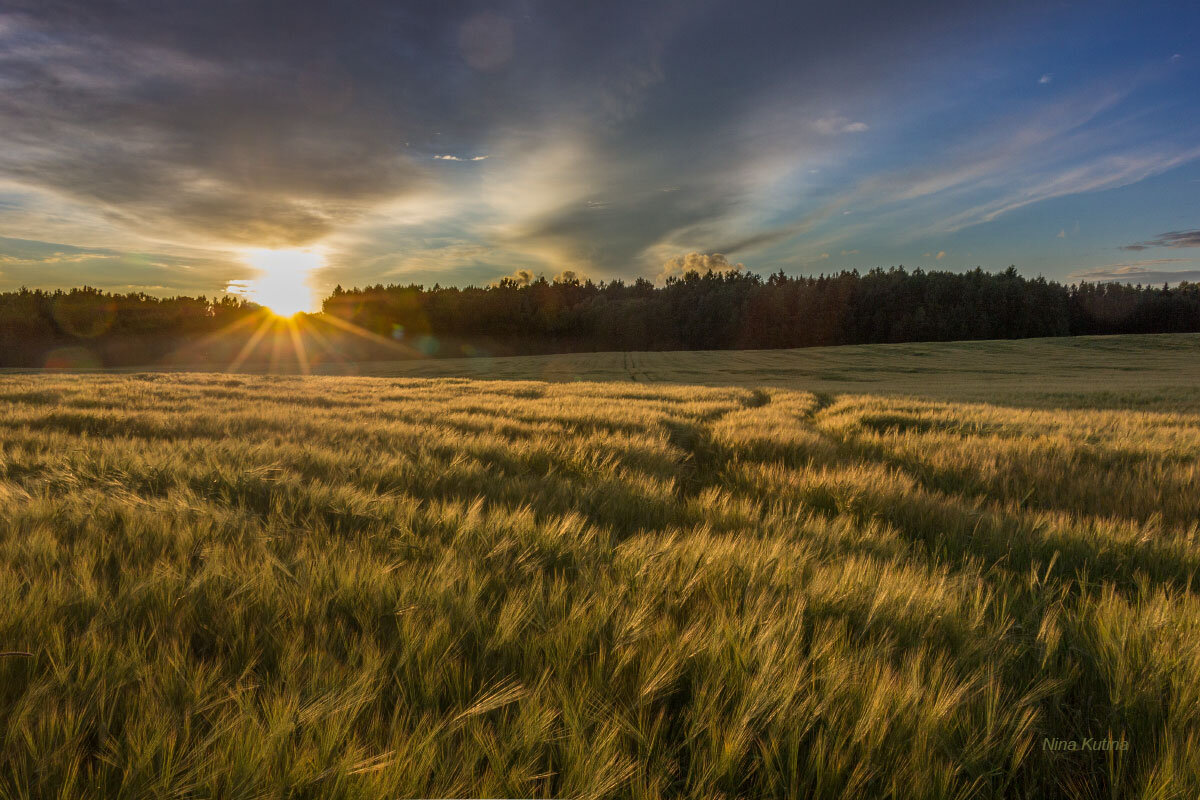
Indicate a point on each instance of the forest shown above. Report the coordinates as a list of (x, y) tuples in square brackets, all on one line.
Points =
[(87, 327)]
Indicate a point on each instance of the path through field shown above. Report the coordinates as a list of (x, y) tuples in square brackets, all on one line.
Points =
[(241, 585)]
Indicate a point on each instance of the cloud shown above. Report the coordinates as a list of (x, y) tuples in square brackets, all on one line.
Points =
[(193, 143), (698, 262), (1020, 159), (940, 255), (520, 277), (838, 124), (1169, 239), (1104, 172), (52, 265), (849, 252), (617, 140), (1139, 272), (570, 276), (1062, 234), (1046, 78), (534, 210)]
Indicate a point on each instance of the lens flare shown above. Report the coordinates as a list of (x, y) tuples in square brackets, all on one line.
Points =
[(284, 280)]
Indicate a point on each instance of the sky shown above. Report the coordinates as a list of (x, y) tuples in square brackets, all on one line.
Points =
[(165, 146)]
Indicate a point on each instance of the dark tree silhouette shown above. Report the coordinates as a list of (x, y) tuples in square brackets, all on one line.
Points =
[(726, 310)]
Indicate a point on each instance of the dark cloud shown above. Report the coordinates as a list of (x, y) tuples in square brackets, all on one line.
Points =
[(610, 238), (1147, 272), (780, 233), (163, 135), (1169, 239), (280, 122)]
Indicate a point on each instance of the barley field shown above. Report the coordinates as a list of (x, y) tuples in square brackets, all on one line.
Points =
[(235, 586), (1141, 372)]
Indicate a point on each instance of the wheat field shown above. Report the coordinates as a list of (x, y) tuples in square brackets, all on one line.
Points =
[(229, 586)]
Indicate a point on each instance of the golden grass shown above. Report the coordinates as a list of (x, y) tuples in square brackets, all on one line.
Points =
[(1136, 372), (255, 586)]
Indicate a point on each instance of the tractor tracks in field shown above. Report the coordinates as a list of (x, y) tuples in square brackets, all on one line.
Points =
[(634, 366), (703, 456), (631, 367), (627, 365)]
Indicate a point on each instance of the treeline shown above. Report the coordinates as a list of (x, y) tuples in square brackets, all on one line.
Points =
[(716, 310), (87, 327), (734, 310)]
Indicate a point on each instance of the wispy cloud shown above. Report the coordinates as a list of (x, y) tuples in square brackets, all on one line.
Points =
[(25, 262), (1169, 239), (617, 140), (1139, 272), (838, 124), (1014, 162), (1104, 172)]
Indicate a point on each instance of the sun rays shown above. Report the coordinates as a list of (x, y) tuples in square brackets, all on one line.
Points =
[(289, 332), (299, 343), (283, 282), (286, 335)]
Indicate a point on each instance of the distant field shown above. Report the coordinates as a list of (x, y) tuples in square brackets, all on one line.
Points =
[(828, 573), (1107, 371)]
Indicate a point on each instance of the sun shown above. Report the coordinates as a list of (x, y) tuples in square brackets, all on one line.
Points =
[(284, 280)]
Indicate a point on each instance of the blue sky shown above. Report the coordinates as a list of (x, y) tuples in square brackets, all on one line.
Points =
[(150, 149)]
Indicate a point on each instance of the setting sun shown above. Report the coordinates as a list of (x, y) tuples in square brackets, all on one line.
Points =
[(283, 283)]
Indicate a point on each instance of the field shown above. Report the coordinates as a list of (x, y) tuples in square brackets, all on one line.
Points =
[(1137, 372), (858, 572)]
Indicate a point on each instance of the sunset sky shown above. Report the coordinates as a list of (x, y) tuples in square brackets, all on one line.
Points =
[(157, 146)]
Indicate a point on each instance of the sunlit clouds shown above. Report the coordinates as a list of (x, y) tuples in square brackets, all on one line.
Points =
[(701, 263), (154, 147)]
